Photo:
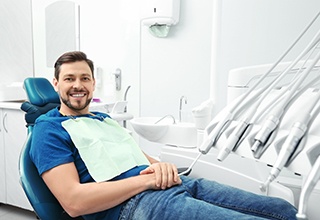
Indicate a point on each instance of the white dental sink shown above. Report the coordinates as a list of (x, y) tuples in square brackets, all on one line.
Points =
[(147, 127), (114, 109), (166, 131)]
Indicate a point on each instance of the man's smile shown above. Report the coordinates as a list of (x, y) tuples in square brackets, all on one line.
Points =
[(77, 95)]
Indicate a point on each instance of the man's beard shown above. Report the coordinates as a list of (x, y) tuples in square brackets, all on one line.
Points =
[(75, 108)]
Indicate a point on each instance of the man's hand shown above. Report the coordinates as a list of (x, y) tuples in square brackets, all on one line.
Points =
[(165, 175)]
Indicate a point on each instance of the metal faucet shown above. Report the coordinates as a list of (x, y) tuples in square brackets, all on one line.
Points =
[(125, 97), (166, 116), (125, 108), (180, 106)]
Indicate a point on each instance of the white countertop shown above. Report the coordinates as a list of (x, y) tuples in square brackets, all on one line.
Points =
[(11, 105), (16, 105)]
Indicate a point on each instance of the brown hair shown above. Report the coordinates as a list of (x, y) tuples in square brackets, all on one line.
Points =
[(70, 57)]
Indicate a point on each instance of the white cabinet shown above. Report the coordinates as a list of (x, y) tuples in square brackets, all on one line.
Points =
[(2, 166), (13, 135)]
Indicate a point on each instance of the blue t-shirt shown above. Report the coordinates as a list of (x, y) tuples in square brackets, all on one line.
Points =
[(52, 146)]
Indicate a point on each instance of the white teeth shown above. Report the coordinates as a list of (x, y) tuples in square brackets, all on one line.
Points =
[(78, 95)]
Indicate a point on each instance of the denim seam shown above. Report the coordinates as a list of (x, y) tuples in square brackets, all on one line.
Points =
[(266, 214), (127, 210), (261, 214)]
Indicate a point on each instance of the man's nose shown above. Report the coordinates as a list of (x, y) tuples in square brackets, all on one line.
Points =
[(77, 84)]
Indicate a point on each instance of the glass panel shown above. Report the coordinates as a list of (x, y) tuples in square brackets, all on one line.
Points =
[(62, 29)]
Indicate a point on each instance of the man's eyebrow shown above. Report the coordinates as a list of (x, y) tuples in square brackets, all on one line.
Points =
[(86, 74), (73, 74), (70, 74)]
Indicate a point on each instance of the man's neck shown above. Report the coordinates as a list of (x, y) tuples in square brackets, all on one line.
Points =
[(67, 111)]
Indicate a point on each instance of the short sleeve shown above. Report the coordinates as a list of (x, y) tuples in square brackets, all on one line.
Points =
[(50, 146)]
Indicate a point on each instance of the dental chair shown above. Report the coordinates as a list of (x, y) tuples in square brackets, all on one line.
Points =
[(42, 98)]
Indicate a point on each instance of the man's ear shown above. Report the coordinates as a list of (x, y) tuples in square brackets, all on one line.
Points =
[(55, 84)]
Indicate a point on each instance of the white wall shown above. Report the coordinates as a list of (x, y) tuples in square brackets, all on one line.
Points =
[(176, 66), (16, 41), (159, 70), (109, 35), (190, 60), (257, 32)]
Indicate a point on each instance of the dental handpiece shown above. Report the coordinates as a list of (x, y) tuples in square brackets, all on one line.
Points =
[(270, 124), (236, 134), (232, 141), (268, 127), (308, 186), (292, 141), (214, 134)]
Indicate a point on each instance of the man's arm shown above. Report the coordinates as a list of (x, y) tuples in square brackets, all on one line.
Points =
[(79, 199), (166, 173)]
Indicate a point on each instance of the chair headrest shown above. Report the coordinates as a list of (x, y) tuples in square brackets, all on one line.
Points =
[(40, 91)]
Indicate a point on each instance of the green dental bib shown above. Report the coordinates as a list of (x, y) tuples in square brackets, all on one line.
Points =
[(105, 147)]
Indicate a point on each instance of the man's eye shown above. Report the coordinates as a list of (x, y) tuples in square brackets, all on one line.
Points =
[(68, 79)]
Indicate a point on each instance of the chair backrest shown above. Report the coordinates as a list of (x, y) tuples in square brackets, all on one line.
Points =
[(40, 91), (42, 97)]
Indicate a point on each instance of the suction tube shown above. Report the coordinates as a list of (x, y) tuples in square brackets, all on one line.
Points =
[(292, 141), (307, 188)]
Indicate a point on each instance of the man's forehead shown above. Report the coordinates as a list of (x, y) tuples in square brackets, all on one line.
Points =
[(79, 67), (75, 74), (75, 64)]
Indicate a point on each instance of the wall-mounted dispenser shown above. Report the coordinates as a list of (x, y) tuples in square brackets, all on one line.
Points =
[(160, 15), (117, 76)]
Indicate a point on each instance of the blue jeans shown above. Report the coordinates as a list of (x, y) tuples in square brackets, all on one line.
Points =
[(203, 199)]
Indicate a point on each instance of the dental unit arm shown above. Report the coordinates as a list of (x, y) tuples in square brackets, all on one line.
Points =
[(310, 180), (214, 129), (296, 137), (220, 123), (298, 129), (292, 141), (249, 134), (307, 188), (273, 120)]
